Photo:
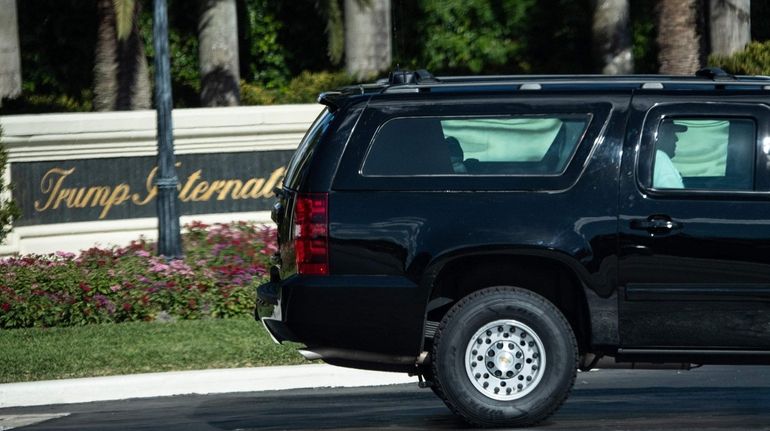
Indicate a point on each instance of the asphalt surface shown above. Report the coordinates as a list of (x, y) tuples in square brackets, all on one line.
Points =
[(709, 398)]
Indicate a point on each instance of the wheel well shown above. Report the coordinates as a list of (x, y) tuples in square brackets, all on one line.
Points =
[(547, 277)]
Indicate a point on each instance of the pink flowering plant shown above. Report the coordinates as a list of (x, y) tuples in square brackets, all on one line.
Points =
[(223, 264)]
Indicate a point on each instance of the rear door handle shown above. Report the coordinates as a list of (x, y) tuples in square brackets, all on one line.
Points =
[(656, 224)]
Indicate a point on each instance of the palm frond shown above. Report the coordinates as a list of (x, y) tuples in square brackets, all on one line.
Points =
[(124, 17), (335, 29)]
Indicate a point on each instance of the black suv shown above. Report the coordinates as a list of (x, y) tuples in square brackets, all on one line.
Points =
[(495, 234)]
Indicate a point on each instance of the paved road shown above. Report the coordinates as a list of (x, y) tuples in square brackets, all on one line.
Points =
[(709, 398)]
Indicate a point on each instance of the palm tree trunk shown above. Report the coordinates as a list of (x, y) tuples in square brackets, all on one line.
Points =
[(612, 37), (10, 52), (730, 25), (218, 53), (680, 42), (368, 45), (121, 78)]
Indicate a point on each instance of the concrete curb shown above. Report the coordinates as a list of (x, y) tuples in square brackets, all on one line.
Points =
[(85, 390)]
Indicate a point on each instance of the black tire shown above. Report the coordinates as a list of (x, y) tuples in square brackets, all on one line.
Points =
[(542, 380)]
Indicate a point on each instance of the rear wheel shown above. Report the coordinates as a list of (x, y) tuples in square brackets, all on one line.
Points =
[(504, 356)]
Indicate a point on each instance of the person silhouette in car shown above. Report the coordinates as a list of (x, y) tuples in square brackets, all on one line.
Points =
[(665, 174)]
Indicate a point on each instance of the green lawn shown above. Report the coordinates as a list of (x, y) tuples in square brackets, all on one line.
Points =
[(102, 350)]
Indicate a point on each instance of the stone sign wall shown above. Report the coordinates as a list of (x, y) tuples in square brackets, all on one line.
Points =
[(80, 178)]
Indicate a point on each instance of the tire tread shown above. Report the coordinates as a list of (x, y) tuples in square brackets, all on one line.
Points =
[(464, 302)]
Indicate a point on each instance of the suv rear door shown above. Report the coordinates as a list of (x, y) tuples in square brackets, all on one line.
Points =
[(694, 265)]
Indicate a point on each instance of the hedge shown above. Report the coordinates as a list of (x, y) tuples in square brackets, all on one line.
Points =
[(217, 278), (754, 59)]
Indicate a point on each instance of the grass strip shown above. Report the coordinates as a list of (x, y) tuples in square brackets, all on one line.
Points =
[(137, 347)]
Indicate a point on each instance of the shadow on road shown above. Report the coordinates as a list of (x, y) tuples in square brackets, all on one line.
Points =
[(628, 409), (710, 398)]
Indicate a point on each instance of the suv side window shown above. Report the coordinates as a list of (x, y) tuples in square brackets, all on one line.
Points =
[(703, 148), (704, 154), (466, 143), (521, 145)]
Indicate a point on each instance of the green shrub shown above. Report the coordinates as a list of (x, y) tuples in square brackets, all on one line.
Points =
[(8, 210), (496, 37), (217, 278), (752, 60), (255, 94), (40, 103), (474, 35), (305, 88), (262, 53)]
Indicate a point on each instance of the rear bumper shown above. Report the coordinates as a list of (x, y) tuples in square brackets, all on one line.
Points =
[(378, 314), (268, 309), (278, 330)]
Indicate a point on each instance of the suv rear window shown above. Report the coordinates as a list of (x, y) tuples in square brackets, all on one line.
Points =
[(305, 150), (521, 145)]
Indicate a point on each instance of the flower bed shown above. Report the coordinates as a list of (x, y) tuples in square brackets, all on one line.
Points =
[(217, 278)]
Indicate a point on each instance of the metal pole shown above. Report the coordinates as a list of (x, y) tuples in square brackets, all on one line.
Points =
[(169, 238)]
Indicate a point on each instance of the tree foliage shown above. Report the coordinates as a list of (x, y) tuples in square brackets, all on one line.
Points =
[(643, 33), (279, 40), (124, 17), (57, 41), (475, 35), (752, 60), (485, 36), (8, 209), (262, 54)]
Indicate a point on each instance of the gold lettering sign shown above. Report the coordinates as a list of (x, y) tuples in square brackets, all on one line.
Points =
[(195, 188)]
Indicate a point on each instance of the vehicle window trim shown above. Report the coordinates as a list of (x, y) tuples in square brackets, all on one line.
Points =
[(756, 112), (588, 115), (304, 149)]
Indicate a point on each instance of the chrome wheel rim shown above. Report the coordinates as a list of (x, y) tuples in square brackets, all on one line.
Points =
[(505, 360)]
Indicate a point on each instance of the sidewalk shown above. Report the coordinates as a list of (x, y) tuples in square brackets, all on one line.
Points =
[(191, 382)]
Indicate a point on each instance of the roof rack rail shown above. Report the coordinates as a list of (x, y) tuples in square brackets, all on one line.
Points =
[(404, 81), (420, 76), (714, 74)]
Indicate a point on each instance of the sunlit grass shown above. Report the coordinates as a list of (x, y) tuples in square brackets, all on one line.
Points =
[(138, 347)]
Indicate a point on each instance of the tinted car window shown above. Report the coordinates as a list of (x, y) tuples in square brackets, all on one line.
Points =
[(305, 149), (523, 145), (704, 154)]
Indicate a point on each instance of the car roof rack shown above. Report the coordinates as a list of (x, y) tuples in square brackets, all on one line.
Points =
[(715, 74), (402, 81), (398, 77)]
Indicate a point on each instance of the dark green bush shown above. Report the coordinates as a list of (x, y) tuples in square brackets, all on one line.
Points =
[(32, 102), (254, 94), (496, 37), (476, 35), (262, 54), (305, 88), (752, 60)]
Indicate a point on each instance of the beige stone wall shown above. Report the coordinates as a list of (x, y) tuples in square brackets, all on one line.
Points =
[(130, 134)]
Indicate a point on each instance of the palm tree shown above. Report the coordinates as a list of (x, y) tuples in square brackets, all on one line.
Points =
[(10, 60), (680, 41), (331, 12), (612, 37), (368, 45), (730, 25), (121, 78), (218, 53)]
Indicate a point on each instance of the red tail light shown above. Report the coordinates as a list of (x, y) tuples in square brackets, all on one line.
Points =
[(311, 233)]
